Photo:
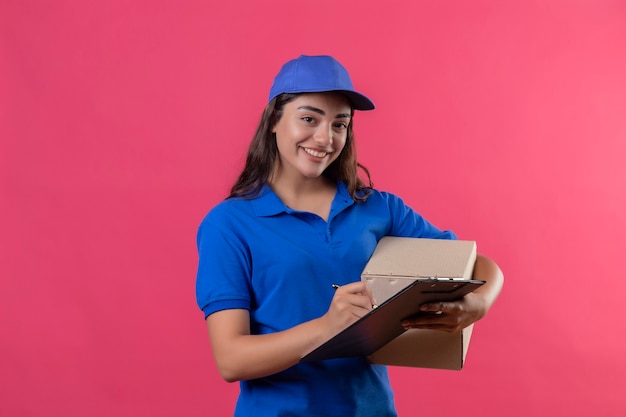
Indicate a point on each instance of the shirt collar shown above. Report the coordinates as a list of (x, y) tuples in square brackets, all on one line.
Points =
[(267, 203)]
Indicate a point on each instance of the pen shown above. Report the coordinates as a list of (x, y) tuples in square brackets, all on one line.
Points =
[(335, 286)]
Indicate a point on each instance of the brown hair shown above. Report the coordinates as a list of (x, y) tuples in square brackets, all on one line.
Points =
[(263, 151)]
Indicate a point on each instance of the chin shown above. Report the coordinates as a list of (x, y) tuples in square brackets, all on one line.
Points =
[(312, 176)]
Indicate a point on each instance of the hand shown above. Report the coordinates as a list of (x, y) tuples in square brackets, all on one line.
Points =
[(350, 302), (452, 316)]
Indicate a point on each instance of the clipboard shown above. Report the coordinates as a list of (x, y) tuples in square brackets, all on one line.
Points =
[(382, 324)]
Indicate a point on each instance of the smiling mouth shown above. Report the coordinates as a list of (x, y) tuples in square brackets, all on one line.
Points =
[(317, 154)]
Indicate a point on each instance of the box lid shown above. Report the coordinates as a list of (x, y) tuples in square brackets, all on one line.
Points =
[(421, 258)]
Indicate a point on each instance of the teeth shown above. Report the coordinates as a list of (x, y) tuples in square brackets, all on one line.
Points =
[(315, 153)]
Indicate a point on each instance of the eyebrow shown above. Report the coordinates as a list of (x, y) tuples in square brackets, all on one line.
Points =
[(323, 113)]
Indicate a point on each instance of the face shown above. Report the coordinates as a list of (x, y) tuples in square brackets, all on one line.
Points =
[(311, 134)]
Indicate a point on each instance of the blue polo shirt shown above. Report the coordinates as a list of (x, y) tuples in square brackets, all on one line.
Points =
[(279, 264)]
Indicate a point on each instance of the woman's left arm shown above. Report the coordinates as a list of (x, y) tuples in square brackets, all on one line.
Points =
[(454, 316)]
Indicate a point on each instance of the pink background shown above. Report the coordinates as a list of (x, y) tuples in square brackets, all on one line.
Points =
[(123, 122)]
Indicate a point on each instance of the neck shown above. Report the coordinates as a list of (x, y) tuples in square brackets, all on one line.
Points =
[(314, 195)]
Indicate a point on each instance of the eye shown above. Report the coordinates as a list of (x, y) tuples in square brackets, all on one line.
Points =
[(308, 119), (341, 125)]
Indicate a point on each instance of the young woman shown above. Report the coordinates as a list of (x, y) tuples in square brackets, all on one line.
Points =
[(299, 219)]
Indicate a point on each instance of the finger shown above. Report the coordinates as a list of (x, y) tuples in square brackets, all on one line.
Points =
[(425, 318), (359, 288), (434, 307), (361, 301), (423, 325), (370, 294), (356, 303), (443, 307)]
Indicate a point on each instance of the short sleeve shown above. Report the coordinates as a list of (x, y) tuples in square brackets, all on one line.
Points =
[(406, 222), (223, 276)]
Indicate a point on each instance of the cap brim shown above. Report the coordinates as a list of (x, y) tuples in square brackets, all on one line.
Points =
[(358, 100)]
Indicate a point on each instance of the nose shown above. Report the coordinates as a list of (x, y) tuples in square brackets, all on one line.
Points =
[(324, 135)]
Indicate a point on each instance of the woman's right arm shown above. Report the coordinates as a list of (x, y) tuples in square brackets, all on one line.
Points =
[(240, 355)]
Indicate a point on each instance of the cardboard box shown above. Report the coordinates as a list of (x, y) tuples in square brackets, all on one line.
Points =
[(395, 263)]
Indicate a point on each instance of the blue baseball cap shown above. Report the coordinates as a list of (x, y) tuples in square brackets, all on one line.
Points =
[(317, 74)]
